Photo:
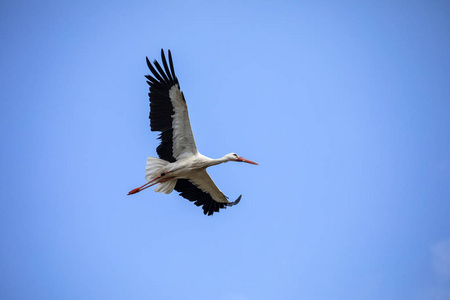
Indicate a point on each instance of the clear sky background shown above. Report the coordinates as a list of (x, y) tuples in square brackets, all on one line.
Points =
[(344, 104)]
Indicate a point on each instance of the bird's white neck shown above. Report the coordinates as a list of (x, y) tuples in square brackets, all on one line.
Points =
[(216, 161), (204, 162)]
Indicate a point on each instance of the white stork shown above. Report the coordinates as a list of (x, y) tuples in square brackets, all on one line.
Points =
[(180, 166)]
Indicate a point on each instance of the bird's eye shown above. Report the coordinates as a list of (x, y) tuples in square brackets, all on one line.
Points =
[(235, 154)]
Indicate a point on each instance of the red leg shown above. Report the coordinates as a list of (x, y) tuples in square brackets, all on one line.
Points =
[(150, 183)]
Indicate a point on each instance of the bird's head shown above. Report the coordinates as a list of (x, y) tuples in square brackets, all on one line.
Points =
[(235, 157)]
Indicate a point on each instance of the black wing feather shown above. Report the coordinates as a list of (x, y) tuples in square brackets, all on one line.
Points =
[(192, 193), (166, 68), (161, 109), (151, 80), (160, 70), (171, 66)]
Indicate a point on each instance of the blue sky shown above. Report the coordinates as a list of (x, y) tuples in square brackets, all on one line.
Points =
[(344, 104)]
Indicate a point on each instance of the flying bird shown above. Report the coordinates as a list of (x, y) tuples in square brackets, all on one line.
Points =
[(180, 166)]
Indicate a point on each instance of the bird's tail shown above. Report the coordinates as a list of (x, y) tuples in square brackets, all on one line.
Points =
[(166, 187), (155, 166)]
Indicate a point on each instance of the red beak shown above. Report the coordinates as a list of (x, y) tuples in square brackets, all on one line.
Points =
[(246, 160)]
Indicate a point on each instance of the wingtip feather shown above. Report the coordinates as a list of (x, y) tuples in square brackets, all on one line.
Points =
[(235, 201)]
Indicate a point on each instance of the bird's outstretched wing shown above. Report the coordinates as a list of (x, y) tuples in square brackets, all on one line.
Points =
[(202, 190), (168, 112)]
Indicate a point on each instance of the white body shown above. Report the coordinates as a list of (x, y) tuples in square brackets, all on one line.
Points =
[(190, 167)]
